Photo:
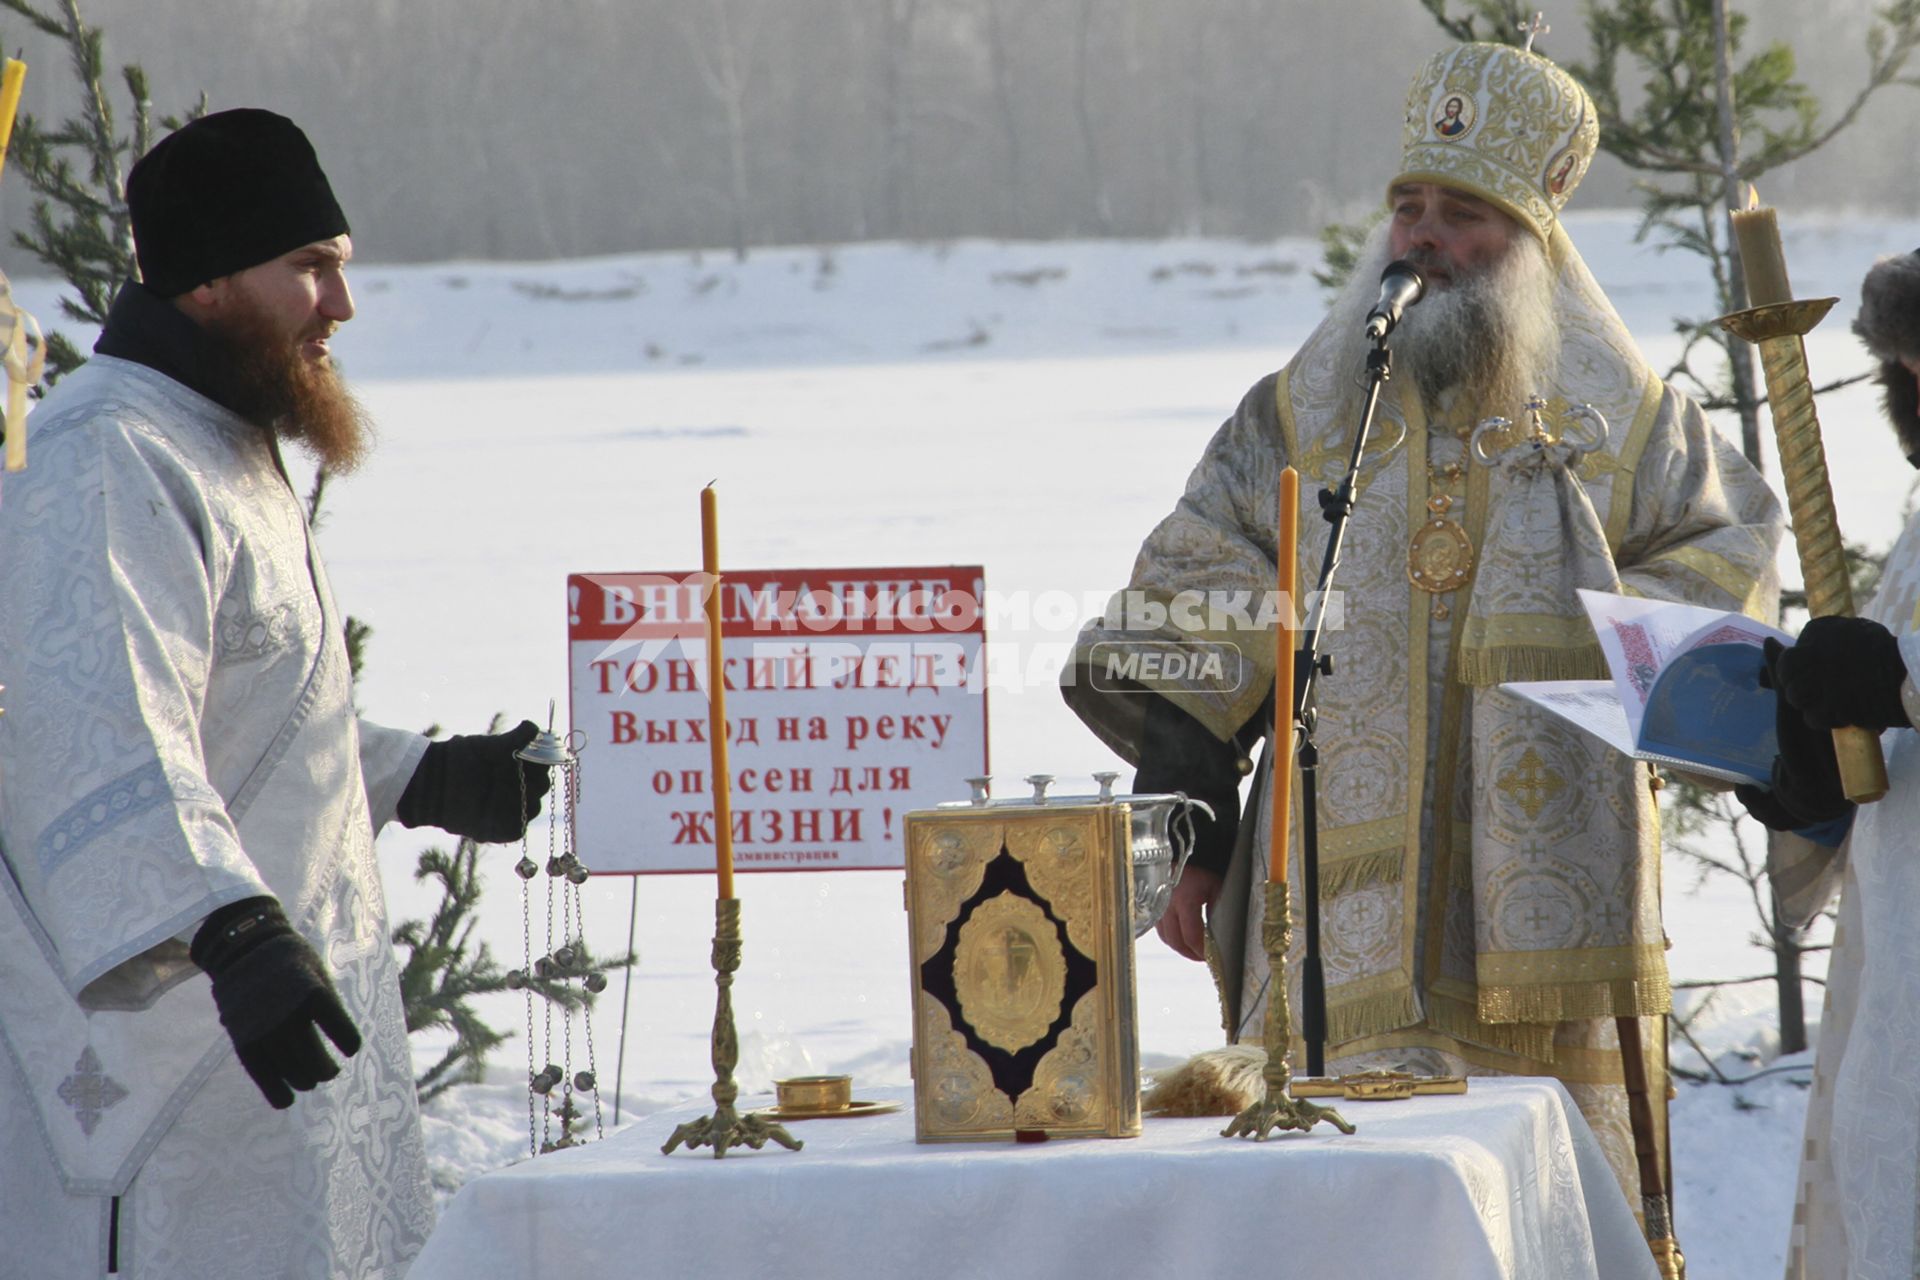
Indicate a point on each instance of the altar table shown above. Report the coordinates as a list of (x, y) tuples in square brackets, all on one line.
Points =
[(1504, 1182)]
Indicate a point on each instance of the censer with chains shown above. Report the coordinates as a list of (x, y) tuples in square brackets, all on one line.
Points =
[(564, 962)]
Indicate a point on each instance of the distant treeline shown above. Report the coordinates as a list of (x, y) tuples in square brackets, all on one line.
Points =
[(542, 128)]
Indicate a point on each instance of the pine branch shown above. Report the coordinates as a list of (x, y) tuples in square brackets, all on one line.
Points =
[(445, 969), (79, 225), (47, 25)]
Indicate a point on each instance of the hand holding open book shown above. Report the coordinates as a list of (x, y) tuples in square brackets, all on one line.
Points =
[(1685, 692)]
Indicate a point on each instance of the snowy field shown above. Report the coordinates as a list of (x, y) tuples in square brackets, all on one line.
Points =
[(1031, 407)]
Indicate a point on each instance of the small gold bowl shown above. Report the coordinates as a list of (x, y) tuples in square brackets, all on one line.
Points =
[(814, 1093)]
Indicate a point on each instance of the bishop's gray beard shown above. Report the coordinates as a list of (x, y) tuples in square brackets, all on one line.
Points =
[(1494, 333)]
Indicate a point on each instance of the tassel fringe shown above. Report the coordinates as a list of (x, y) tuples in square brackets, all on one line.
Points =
[(1499, 664), (1644, 997)]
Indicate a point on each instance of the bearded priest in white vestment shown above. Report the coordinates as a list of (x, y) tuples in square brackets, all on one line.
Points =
[(1857, 1210), (189, 900), (1490, 877)]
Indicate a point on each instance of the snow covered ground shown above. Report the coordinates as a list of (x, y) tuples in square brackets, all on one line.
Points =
[(1031, 407)]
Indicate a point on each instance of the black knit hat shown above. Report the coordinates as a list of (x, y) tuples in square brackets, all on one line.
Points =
[(1889, 319), (226, 192)]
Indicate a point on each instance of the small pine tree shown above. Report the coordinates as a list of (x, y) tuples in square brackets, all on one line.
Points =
[(443, 971), (77, 170), (1340, 246)]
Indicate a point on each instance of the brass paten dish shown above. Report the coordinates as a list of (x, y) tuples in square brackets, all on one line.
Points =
[(855, 1108), (814, 1093)]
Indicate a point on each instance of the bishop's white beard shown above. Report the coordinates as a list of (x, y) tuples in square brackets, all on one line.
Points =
[(1494, 333)]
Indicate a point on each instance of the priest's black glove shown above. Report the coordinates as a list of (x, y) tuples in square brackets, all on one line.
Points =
[(1842, 671), (274, 998), (470, 786), (1806, 774), (1177, 753)]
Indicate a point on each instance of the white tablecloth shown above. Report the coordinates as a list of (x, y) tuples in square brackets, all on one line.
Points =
[(1506, 1181)]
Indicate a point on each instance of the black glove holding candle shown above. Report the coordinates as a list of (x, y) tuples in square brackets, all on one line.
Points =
[(1841, 671)]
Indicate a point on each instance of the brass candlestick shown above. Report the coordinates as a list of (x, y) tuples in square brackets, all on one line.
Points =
[(726, 1127), (1779, 330), (1279, 1110)]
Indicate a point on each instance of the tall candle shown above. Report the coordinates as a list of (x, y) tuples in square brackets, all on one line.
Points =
[(716, 694), (1286, 642), (1758, 232), (11, 78)]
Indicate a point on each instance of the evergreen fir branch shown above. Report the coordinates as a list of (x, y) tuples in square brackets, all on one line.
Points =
[(1503, 18), (445, 969), (79, 225), (1340, 245), (62, 356), (47, 25), (358, 633), (1891, 43), (135, 79), (322, 477)]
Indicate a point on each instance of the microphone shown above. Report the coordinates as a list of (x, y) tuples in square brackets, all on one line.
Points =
[(1401, 285)]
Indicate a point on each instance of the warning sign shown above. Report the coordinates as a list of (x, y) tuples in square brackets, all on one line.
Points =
[(852, 696)]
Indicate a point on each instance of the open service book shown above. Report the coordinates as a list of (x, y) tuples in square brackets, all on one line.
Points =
[(1685, 691)]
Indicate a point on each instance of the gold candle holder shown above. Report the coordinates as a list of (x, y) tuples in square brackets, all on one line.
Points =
[(1779, 329), (727, 1128), (1279, 1110)]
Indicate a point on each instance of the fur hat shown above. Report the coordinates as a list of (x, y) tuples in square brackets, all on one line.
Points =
[(223, 193), (1503, 124), (1889, 319)]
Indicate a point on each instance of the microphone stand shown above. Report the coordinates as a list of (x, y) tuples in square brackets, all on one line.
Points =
[(1336, 506)]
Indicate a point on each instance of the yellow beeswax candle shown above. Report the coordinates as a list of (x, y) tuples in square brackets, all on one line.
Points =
[(716, 694), (1287, 641), (11, 79), (1757, 230)]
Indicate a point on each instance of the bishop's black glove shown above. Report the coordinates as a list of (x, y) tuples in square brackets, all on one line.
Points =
[(1842, 671), (1177, 753), (1806, 774), (470, 786), (274, 998)]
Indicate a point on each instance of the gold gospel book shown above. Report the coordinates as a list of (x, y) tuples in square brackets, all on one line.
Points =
[(1019, 918)]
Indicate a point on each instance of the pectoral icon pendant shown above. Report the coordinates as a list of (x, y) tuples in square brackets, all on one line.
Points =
[(1439, 555)]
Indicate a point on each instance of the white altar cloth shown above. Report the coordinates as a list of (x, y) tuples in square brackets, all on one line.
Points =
[(1503, 1183)]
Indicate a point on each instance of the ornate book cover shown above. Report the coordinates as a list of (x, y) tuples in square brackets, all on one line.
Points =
[(1019, 919)]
